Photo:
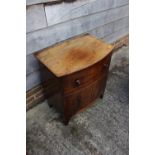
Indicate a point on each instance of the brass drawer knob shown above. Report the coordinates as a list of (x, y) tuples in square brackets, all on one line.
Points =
[(77, 82)]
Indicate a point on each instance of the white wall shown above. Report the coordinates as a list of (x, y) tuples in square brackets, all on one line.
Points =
[(49, 24)]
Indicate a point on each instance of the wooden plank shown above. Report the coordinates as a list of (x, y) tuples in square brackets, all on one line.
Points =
[(121, 23), (33, 80), (67, 11), (116, 35), (74, 55), (32, 63), (120, 2), (51, 35), (110, 28), (35, 18)]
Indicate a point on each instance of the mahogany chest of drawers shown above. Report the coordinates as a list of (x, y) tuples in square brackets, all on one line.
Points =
[(80, 68)]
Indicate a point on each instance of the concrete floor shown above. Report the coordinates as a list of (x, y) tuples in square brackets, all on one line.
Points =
[(100, 130)]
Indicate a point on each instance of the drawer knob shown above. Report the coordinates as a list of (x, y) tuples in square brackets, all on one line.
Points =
[(77, 82)]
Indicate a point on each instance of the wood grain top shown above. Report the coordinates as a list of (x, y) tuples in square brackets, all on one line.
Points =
[(74, 55)]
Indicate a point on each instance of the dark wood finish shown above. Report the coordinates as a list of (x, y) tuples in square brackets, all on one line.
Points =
[(77, 87), (83, 78), (78, 100), (79, 97)]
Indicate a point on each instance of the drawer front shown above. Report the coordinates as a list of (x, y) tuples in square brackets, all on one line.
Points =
[(85, 77), (76, 101)]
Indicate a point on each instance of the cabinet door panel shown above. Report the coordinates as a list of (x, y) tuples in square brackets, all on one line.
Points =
[(82, 98)]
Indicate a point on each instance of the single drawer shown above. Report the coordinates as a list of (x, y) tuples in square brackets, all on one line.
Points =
[(85, 77)]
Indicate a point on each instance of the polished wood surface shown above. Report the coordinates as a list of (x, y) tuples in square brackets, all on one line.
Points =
[(74, 55), (79, 70)]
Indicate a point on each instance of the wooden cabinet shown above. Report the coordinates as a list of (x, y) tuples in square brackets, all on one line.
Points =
[(80, 67)]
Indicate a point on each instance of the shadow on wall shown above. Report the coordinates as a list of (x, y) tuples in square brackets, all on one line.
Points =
[(61, 1)]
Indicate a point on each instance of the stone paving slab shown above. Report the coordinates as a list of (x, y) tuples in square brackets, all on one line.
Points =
[(102, 129)]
